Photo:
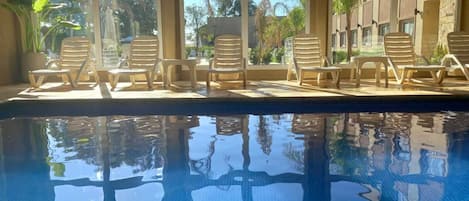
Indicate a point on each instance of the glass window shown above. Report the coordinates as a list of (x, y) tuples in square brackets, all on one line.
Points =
[(121, 22), (270, 24), (333, 40), (354, 38), (205, 21), (383, 29), (366, 36), (407, 26), (343, 39)]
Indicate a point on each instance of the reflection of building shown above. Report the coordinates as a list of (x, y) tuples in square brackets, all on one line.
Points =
[(428, 20)]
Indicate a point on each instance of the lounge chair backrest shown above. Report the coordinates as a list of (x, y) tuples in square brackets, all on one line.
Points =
[(307, 51), (399, 47), (458, 44), (74, 51), (228, 51), (144, 52)]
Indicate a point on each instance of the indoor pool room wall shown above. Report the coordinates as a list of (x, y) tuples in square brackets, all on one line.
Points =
[(320, 156)]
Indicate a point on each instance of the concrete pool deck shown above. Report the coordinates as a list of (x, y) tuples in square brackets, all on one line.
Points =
[(53, 96)]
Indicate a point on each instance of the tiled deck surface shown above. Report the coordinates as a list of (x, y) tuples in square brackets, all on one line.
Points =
[(229, 98), (255, 89)]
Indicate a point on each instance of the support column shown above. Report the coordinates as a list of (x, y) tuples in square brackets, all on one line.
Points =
[(171, 31), (319, 23), (394, 17)]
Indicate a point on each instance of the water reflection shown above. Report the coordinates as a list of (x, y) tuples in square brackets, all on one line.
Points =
[(357, 156)]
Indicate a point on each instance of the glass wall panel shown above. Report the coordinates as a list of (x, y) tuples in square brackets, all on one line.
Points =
[(122, 21), (271, 22), (206, 20), (54, 28)]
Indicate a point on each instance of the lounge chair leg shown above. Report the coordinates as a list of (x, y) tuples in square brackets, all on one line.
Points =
[(72, 82), (410, 74), (288, 74), (64, 78), (32, 80), (208, 80), (441, 76), (337, 79), (403, 77), (96, 77), (244, 80), (300, 80), (40, 80), (113, 80), (132, 79), (148, 76), (319, 79)]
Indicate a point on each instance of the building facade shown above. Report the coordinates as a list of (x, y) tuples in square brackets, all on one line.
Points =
[(428, 21)]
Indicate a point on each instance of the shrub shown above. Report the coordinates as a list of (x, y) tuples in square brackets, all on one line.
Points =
[(438, 53), (341, 56)]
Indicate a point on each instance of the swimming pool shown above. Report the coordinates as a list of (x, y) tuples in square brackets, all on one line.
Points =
[(321, 156)]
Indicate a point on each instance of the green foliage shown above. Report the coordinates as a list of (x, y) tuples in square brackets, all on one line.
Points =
[(254, 56), (438, 53), (30, 14), (341, 56), (278, 54), (344, 6)]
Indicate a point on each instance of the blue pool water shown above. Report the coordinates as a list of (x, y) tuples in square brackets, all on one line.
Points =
[(355, 156)]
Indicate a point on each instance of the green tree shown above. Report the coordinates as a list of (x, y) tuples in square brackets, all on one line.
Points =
[(235, 10), (346, 7), (196, 16)]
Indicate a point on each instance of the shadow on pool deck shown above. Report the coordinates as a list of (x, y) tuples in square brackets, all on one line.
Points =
[(260, 97)]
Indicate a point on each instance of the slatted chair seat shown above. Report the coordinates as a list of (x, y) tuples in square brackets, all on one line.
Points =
[(400, 50), (458, 52), (307, 58), (228, 58), (143, 59), (74, 60), (127, 71), (51, 71)]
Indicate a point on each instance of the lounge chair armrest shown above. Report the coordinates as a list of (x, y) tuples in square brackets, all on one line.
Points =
[(425, 60), (157, 62), (448, 58), (326, 61), (51, 62), (122, 62)]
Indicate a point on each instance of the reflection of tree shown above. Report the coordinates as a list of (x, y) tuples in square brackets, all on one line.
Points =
[(298, 156), (134, 141), (137, 16), (264, 138)]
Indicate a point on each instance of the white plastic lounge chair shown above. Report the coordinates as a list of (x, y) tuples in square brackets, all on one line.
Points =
[(74, 60), (458, 51), (143, 59), (399, 48), (307, 58), (228, 58)]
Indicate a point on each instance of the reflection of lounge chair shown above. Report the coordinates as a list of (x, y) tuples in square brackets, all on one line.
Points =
[(74, 59), (230, 125), (308, 124), (400, 50), (143, 59), (458, 51), (307, 58), (228, 58)]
